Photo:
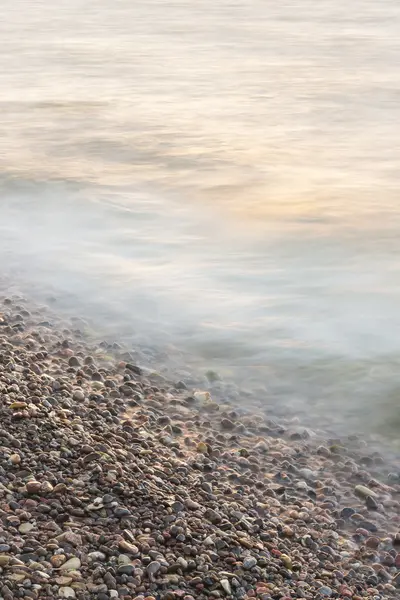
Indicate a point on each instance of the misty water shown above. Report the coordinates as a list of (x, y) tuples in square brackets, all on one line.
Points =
[(217, 181)]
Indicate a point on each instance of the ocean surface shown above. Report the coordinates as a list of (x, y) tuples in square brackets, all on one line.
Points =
[(218, 181)]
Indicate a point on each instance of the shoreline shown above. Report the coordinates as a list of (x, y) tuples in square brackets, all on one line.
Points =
[(118, 483)]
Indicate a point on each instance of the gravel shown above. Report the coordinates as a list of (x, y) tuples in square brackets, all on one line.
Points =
[(116, 483)]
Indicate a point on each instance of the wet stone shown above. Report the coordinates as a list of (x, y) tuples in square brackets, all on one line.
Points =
[(118, 483)]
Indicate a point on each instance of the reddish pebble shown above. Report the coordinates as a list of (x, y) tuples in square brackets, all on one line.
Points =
[(397, 561), (373, 542), (261, 585)]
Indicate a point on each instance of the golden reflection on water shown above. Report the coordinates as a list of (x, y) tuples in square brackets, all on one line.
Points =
[(263, 109)]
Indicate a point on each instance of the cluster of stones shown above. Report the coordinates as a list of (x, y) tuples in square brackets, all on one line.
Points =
[(116, 483)]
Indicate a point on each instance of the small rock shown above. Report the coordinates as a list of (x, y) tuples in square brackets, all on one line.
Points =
[(182, 562), (226, 586), (46, 487), (177, 506), (18, 577), (74, 362), (347, 512), (127, 547), (287, 561), (207, 487), (227, 425), (249, 562), (373, 542), (212, 516), (371, 503), (325, 591), (209, 541), (126, 569), (133, 368), (33, 487), (192, 505), (120, 512), (25, 527), (153, 568), (364, 492), (72, 564), (63, 580), (57, 560), (66, 592), (202, 448), (60, 488)]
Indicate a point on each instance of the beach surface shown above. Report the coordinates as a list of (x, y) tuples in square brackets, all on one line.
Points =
[(117, 482)]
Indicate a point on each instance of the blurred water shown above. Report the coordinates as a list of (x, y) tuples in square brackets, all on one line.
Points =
[(220, 180)]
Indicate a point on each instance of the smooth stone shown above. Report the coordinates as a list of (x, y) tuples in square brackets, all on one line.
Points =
[(192, 505), (347, 512), (371, 503), (153, 567), (182, 562), (372, 542), (66, 592), (25, 527), (364, 492), (64, 580), (126, 569), (177, 507), (127, 547), (371, 527), (71, 565), (97, 385), (325, 591), (33, 487)]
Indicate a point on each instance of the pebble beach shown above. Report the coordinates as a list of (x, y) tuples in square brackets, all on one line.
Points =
[(117, 483)]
